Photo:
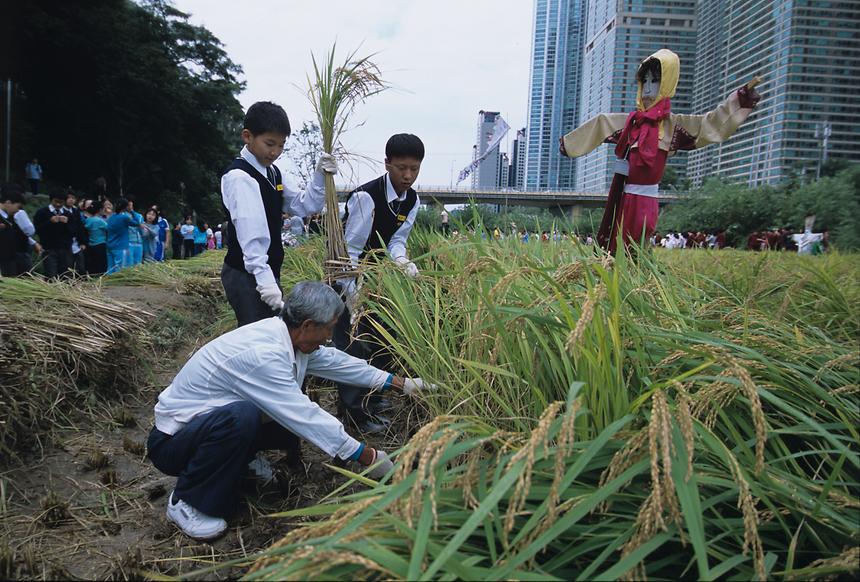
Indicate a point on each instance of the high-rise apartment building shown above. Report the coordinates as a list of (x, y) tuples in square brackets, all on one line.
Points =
[(486, 176), (618, 35), (807, 53), (517, 173), (554, 88), (504, 169)]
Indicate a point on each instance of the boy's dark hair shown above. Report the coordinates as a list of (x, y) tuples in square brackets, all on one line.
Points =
[(404, 145), (267, 117), (13, 193), (120, 205), (653, 65)]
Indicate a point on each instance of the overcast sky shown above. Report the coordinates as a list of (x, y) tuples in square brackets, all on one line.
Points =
[(447, 59)]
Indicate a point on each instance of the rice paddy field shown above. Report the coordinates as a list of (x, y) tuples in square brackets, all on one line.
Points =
[(692, 414)]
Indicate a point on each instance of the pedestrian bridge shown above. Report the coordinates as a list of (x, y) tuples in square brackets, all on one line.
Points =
[(562, 201)]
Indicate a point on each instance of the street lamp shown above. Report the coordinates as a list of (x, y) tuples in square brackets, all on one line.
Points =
[(823, 131)]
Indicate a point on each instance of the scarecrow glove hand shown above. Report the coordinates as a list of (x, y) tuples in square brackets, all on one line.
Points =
[(327, 163), (380, 466), (271, 295), (413, 385)]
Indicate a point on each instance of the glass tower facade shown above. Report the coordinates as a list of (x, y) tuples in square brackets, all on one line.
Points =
[(618, 35), (554, 90), (807, 53)]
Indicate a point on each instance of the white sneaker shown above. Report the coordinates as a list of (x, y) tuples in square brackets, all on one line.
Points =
[(193, 523), (261, 469)]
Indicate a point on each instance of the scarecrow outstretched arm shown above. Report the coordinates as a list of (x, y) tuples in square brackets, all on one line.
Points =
[(592, 133), (718, 125)]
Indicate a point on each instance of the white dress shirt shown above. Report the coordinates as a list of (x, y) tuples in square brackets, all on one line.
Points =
[(26, 225), (360, 222), (241, 195), (257, 363)]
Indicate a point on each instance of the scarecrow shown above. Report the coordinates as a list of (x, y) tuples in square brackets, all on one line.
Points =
[(645, 138)]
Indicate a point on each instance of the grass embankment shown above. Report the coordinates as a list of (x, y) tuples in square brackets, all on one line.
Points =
[(68, 351), (690, 415)]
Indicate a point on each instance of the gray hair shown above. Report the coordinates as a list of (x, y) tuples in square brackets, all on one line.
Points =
[(312, 300)]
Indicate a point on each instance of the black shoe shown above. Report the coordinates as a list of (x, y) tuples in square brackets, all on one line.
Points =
[(380, 405), (372, 425)]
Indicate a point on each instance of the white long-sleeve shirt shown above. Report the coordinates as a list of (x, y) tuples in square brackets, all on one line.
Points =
[(26, 225), (360, 222), (257, 363), (241, 196)]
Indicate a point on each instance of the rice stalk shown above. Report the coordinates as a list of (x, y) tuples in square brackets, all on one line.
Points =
[(334, 92)]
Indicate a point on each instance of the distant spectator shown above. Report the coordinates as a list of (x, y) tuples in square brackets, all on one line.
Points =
[(218, 237), (95, 258), (210, 238), (135, 236), (80, 238), (107, 209), (149, 233), (34, 175), (187, 231), (297, 227), (13, 241), (117, 240), (176, 240), (163, 235), (52, 227), (444, 217), (199, 237)]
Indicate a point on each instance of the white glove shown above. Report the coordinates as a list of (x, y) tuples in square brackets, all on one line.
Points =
[(380, 466), (327, 163), (413, 385), (271, 296), (408, 266)]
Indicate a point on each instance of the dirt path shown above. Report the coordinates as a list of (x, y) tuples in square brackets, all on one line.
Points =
[(92, 507)]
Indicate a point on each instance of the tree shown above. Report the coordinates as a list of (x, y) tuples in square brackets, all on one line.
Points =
[(303, 150), (131, 92)]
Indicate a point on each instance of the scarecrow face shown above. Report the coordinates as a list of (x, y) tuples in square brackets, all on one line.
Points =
[(650, 89)]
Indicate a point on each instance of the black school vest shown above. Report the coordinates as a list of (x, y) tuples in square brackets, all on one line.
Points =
[(387, 218), (273, 203), (12, 239)]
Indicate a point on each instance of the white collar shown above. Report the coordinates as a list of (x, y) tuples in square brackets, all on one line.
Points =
[(390, 192), (252, 159), (55, 209)]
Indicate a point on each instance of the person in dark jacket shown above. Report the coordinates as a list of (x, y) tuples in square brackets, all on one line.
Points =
[(55, 234)]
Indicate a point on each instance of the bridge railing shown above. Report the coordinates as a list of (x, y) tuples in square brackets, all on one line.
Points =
[(447, 192)]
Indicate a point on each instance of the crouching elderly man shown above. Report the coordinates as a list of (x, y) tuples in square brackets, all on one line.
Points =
[(241, 393)]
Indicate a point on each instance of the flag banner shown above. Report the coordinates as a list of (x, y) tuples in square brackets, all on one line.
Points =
[(500, 128)]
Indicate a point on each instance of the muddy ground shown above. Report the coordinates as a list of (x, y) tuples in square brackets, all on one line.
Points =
[(91, 506)]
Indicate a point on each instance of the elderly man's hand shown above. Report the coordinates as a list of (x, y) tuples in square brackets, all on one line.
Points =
[(381, 466), (413, 385)]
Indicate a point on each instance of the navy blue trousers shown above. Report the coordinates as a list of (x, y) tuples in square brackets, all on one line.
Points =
[(211, 453)]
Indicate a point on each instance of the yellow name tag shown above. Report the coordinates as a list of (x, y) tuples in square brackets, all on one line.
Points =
[(401, 217), (279, 187)]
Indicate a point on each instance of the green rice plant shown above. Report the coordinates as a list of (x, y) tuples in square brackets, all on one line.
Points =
[(710, 431)]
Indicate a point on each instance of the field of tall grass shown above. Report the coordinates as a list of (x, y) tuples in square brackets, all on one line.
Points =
[(692, 414)]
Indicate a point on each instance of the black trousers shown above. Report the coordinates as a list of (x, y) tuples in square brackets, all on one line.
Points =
[(57, 262), (241, 290), (210, 454), (95, 259), (187, 248), (366, 344)]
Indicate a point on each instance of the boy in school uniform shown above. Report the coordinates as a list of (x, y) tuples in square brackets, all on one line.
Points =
[(379, 217), (255, 198)]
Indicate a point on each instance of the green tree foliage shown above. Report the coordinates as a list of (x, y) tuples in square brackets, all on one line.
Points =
[(132, 92), (834, 200)]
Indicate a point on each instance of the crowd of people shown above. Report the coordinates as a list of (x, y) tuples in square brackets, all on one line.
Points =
[(92, 236)]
